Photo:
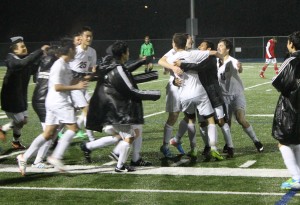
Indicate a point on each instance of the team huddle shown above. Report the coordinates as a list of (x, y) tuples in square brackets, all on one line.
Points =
[(204, 85)]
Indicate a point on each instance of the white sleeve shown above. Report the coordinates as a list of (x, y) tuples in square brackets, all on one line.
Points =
[(268, 49), (94, 60), (199, 56)]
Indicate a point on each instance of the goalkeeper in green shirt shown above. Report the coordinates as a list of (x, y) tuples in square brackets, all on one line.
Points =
[(147, 52)]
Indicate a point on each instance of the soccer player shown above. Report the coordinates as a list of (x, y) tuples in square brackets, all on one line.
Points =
[(58, 107), (207, 72), (20, 67), (233, 90), (117, 103), (83, 66), (286, 118), (270, 57), (192, 94), (147, 51), (173, 103)]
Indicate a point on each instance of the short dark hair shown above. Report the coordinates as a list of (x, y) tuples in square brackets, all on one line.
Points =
[(228, 44), (295, 39), (119, 48), (180, 40), (209, 44), (84, 29), (65, 45)]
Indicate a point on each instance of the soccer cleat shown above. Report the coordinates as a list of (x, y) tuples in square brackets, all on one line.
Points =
[(193, 153), (140, 162), (291, 184), (17, 145), (125, 168), (86, 152), (2, 135), (42, 165), (262, 75), (114, 156), (259, 146), (60, 134), (22, 164), (166, 151), (57, 163), (206, 151), (225, 148), (80, 134), (230, 152), (177, 145), (215, 154)]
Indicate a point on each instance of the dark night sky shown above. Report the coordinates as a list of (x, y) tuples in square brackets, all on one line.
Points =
[(46, 20)]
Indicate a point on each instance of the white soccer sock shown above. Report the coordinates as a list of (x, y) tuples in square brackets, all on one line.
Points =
[(136, 148), (183, 127), (227, 135), (125, 147), (204, 135), (168, 130), (7, 126), (80, 120), (212, 136), (63, 144), (90, 135), (42, 152), (297, 154), (35, 145), (102, 142), (250, 132), (192, 134), (290, 161)]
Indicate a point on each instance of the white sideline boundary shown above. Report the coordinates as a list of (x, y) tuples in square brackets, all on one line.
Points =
[(144, 190), (176, 171)]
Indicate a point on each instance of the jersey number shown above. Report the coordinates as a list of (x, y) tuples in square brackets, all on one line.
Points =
[(82, 64)]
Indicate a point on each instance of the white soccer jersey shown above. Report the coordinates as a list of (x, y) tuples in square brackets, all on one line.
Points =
[(229, 78), (191, 86), (167, 55), (60, 73), (83, 60)]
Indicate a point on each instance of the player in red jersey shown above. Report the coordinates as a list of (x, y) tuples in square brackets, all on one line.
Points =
[(270, 57)]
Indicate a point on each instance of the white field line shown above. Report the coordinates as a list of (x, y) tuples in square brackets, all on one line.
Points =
[(264, 115), (254, 86), (248, 164), (12, 154), (176, 171), (157, 113), (144, 190)]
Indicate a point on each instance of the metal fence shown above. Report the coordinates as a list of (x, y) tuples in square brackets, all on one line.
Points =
[(245, 48)]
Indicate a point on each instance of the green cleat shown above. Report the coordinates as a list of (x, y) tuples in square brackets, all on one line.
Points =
[(215, 154), (80, 134)]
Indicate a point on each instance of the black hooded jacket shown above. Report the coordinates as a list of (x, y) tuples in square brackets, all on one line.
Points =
[(16, 80), (41, 87), (286, 120), (117, 99)]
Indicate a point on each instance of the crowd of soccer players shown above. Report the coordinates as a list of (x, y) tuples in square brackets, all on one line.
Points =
[(204, 84)]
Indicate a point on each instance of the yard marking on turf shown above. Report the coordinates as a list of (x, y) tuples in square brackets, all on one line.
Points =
[(143, 191), (173, 171), (254, 86), (157, 113), (248, 164), (265, 115), (12, 154)]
